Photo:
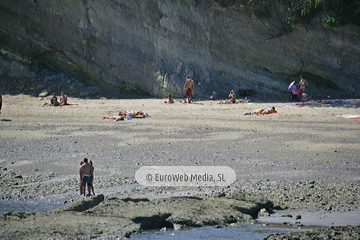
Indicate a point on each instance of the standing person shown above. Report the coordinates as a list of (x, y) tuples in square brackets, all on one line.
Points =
[(85, 176), (302, 84), (81, 188), (0, 103), (92, 178), (63, 99), (189, 89)]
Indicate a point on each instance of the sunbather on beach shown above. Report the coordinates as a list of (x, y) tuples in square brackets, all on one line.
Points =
[(262, 111), (53, 100), (232, 97), (63, 99), (115, 118), (269, 111), (122, 114), (132, 113)]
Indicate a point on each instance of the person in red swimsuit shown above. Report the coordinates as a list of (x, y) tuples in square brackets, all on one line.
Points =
[(189, 89)]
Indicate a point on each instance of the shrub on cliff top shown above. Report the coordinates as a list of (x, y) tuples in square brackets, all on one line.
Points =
[(290, 12)]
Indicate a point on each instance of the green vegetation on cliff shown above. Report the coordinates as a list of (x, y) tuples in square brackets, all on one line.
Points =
[(282, 15)]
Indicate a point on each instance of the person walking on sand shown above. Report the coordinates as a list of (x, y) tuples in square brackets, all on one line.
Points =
[(85, 176), (189, 89), (0, 103)]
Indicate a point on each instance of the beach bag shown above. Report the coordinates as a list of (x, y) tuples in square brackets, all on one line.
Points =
[(295, 91), (304, 97), (212, 98)]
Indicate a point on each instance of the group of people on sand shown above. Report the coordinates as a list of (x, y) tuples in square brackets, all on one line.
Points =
[(299, 92), (54, 100), (189, 87), (86, 173)]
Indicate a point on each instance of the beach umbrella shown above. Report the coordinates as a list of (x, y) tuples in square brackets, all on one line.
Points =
[(291, 85)]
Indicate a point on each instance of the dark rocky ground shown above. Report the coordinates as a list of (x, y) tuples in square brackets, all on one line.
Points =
[(343, 233)]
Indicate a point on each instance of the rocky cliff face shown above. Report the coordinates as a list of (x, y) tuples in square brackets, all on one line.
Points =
[(151, 46)]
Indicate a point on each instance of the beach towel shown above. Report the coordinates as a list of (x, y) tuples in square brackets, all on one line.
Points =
[(350, 116), (295, 105), (335, 101), (115, 118), (291, 105)]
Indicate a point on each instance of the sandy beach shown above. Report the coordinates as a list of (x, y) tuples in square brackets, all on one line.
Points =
[(304, 156)]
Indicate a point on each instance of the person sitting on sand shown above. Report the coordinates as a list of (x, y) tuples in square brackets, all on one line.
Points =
[(63, 99), (170, 99), (232, 97), (262, 111), (53, 100)]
